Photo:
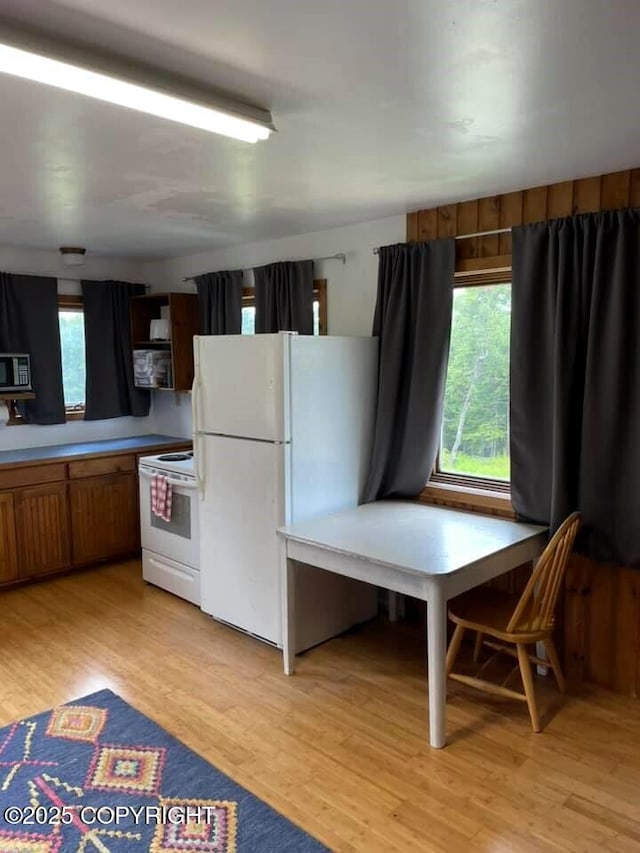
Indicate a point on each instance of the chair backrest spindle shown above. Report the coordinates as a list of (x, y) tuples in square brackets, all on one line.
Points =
[(536, 607)]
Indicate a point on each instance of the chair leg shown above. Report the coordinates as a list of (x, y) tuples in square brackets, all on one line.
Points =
[(454, 647), (527, 679), (552, 654), (478, 646)]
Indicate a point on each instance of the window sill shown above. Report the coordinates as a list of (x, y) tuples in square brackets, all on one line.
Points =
[(75, 416), (470, 499)]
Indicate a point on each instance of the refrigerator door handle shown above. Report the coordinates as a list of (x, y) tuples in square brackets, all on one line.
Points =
[(198, 446), (200, 466)]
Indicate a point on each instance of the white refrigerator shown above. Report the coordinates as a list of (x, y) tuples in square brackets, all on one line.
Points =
[(282, 432)]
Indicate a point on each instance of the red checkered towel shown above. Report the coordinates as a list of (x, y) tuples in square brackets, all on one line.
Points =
[(161, 497)]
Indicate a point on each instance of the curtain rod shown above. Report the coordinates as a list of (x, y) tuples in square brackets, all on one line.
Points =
[(470, 236), (340, 256)]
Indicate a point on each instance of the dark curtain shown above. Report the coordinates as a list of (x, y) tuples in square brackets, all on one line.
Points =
[(220, 302), (575, 378), (284, 297), (413, 322), (107, 328), (29, 324)]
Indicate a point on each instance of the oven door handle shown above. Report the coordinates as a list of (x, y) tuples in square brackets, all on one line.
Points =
[(183, 484)]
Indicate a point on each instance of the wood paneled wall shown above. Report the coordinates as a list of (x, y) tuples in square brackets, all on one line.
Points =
[(602, 625), (493, 251), (601, 615)]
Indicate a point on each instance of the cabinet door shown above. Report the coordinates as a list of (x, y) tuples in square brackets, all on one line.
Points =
[(42, 528), (104, 517), (183, 310), (8, 550)]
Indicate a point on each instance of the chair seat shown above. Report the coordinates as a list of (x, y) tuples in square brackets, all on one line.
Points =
[(489, 611)]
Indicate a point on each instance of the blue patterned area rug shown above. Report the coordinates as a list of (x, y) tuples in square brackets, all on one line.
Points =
[(97, 775)]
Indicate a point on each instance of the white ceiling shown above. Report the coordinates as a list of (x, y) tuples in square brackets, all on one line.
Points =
[(381, 107)]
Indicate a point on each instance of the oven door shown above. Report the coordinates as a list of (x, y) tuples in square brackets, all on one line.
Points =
[(177, 539)]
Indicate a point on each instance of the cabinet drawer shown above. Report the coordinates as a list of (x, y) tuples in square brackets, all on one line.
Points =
[(105, 465), (14, 478)]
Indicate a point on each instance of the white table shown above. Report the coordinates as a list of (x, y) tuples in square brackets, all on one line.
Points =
[(428, 552)]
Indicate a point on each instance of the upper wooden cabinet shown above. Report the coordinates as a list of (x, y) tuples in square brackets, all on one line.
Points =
[(182, 311)]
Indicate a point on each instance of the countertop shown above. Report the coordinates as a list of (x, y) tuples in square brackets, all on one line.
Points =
[(58, 452)]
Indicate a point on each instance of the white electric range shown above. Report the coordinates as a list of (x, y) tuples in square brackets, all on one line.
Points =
[(171, 549)]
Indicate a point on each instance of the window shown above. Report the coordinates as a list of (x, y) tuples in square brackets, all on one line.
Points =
[(71, 322), (248, 315), (474, 447), (319, 309)]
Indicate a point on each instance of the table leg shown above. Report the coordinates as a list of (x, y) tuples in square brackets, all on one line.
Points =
[(288, 611), (392, 602), (395, 603), (436, 655)]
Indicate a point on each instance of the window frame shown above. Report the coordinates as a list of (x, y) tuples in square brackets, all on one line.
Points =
[(464, 490), (319, 293), (71, 302)]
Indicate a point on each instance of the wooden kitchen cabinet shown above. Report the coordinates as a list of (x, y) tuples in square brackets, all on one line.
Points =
[(8, 549), (125, 464), (104, 517), (182, 309), (42, 529), (70, 511)]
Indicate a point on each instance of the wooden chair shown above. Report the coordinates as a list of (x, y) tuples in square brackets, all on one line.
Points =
[(510, 621)]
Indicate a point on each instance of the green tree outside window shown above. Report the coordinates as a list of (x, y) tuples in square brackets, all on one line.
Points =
[(73, 357), (475, 427)]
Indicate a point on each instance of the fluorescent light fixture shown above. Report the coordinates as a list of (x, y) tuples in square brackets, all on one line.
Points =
[(146, 99)]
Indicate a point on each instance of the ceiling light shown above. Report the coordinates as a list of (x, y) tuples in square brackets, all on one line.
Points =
[(146, 91)]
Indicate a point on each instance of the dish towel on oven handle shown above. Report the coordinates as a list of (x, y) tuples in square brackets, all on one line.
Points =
[(161, 497)]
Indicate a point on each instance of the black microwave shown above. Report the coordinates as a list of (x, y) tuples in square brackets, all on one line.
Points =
[(15, 372)]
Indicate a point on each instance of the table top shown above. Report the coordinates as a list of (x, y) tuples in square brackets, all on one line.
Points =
[(413, 537)]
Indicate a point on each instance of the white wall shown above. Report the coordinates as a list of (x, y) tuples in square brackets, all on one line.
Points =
[(172, 413), (351, 287), (34, 262), (351, 293), (37, 262)]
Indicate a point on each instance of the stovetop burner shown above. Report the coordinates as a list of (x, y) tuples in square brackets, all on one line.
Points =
[(175, 457)]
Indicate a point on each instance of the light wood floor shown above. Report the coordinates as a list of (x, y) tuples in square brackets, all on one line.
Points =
[(341, 747)]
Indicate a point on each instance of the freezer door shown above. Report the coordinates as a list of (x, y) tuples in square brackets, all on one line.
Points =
[(243, 504), (241, 385), (332, 402)]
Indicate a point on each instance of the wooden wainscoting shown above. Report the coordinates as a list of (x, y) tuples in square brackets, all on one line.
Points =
[(600, 626)]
